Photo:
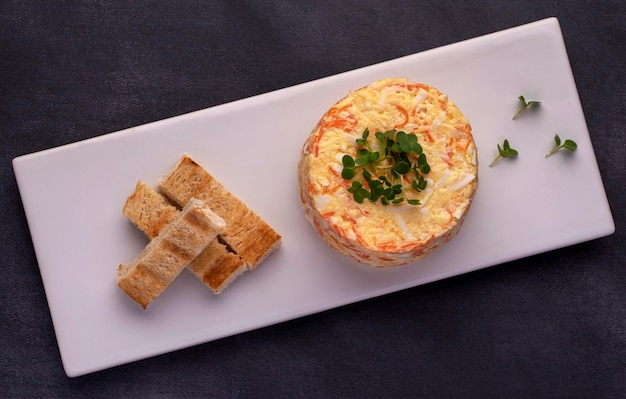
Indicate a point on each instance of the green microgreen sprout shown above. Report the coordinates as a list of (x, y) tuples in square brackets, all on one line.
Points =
[(504, 152), (567, 144), (525, 105), (385, 173)]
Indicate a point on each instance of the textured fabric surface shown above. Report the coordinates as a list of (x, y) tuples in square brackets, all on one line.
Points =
[(553, 325)]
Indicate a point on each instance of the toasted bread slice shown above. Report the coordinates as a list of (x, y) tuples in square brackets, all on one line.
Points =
[(147, 276), (151, 212), (248, 235), (216, 267), (148, 210)]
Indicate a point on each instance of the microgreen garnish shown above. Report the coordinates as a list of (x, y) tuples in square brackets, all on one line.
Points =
[(504, 152), (387, 170), (524, 106), (567, 144)]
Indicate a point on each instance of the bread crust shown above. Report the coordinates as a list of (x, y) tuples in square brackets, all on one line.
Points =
[(246, 232), (151, 212), (149, 274)]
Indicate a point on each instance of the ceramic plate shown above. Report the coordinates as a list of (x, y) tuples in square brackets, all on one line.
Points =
[(73, 197)]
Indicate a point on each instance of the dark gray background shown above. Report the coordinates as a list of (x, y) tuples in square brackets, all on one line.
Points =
[(553, 325)]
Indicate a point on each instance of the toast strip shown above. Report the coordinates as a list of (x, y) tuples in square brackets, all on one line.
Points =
[(147, 276), (150, 212), (247, 234)]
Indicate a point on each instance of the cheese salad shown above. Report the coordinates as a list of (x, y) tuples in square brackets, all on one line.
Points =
[(395, 234)]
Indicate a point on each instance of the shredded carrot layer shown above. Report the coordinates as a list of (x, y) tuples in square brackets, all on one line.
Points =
[(315, 141), (415, 86), (328, 214), (405, 116), (332, 120)]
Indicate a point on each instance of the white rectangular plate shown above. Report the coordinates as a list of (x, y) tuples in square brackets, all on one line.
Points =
[(73, 197)]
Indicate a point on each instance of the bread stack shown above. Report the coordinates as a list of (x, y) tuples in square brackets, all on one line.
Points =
[(195, 224)]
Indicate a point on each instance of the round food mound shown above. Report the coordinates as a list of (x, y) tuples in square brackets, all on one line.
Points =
[(366, 221)]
